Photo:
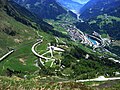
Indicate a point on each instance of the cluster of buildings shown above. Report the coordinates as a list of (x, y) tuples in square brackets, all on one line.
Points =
[(94, 40)]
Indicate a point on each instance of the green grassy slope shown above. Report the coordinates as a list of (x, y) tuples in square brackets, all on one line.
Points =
[(18, 30), (13, 32)]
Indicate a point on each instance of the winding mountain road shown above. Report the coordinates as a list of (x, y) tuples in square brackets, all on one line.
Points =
[(37, 54), (101, 78), (6, 55), (112, 59)]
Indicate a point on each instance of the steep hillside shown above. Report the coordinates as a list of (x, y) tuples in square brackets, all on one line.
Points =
[(103, 24), (19, 30), (102, 16), (48, 9), (2, 3), (17, 11), (48, 56), (16, 23), (98, 7)]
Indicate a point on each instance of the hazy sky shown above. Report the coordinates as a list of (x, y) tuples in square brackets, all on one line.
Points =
[(81, 1)]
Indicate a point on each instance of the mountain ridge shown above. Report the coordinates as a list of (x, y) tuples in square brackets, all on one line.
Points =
[(50, 9), (99, 7)]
